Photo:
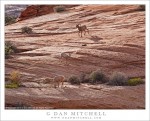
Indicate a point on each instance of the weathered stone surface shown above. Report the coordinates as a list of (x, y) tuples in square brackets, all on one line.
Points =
[(37, 10), (116, 42)]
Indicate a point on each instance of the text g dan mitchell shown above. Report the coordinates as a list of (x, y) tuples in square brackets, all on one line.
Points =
[(79, 113)]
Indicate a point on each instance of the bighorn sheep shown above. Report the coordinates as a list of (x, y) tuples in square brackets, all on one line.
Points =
[(81, 29), (65, 55), (59, 80), (56, 81)]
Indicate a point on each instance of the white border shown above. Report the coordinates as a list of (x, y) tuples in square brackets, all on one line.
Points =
[(39, 115)]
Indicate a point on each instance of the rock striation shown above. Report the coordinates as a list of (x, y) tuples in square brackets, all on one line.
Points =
[(116, 42)]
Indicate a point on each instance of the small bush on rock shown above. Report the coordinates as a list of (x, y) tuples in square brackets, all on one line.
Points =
[(21, 105), (26, 30), (15, 77), (60, 8), (74, 80), (135, 81), (118, 79), (9, 20), (11, 85), (97, 77), (9, 49), (84, 78)]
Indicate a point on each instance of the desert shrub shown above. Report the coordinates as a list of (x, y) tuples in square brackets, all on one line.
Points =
[(60, 8), (14, 80), (74, 80), (135, 81), (26, 30), (97, 76), (141, 7), (9, 20), (84, 78), (21, 105), (11, 85), (15, 77), (18, 105), (9, 49), (118, 79)]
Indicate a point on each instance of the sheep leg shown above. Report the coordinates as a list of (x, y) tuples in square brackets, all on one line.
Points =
[(81, 33), (66, 62), (62, 83), (84, 32), (87, 31), (58, 84), (55, 85)]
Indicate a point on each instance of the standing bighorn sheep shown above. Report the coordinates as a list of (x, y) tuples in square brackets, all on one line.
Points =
[(65, 55), (56, 81), (81, 29), (59, 80)]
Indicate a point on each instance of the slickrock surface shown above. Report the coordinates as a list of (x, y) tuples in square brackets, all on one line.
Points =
[(38, 10), (116, 43)]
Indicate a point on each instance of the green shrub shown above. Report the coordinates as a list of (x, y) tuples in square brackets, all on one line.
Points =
[(9, 20), (15, 77), (11, 85), (9, 49), (14, 80), (97, 76), (74, 80), (26, 30), (21, 105), (135, 81), (60, 8), (84, 78), (118, 79)]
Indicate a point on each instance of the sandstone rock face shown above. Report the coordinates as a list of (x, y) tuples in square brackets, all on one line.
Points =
[(116, 42), (35, 10)]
